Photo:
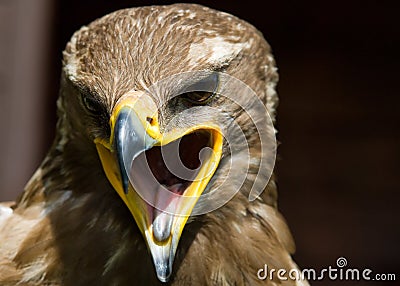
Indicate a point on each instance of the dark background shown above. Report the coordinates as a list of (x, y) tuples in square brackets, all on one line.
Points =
[(338, 120)]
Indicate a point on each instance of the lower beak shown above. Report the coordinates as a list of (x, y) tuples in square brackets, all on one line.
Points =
[(160, 177)]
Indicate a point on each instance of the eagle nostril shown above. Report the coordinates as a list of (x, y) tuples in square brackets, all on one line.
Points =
[(150, 120)]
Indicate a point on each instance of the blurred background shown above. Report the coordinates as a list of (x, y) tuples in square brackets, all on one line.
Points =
[(338, 118)]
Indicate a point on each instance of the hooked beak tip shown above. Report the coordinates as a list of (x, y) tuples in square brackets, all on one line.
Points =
[(163, 273), (163, 259)]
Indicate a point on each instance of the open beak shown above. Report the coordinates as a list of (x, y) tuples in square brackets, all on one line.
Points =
[(160, 177)]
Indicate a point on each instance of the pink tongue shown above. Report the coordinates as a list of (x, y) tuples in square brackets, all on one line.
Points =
[(176, 189), (163, 213)]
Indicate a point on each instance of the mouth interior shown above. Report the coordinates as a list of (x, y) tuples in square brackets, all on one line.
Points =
[(177, 164)]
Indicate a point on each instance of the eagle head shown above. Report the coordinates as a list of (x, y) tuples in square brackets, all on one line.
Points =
[(147, 101)]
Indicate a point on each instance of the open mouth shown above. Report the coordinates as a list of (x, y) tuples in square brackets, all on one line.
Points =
[(163, 174), (167, 176), (176, 165)]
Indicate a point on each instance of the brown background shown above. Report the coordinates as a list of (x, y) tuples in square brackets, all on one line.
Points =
[(338, 115)]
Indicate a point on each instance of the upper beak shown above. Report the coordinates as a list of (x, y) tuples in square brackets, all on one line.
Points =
[(132, 162)]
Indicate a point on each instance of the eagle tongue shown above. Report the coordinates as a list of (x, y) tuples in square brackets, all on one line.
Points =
[(163, 213)]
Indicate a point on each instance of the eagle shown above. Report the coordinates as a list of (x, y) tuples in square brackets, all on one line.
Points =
[(140, 93)]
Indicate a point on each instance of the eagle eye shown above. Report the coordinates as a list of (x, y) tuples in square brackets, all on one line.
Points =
[(198, 97), (92, 105), (203, 90)]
